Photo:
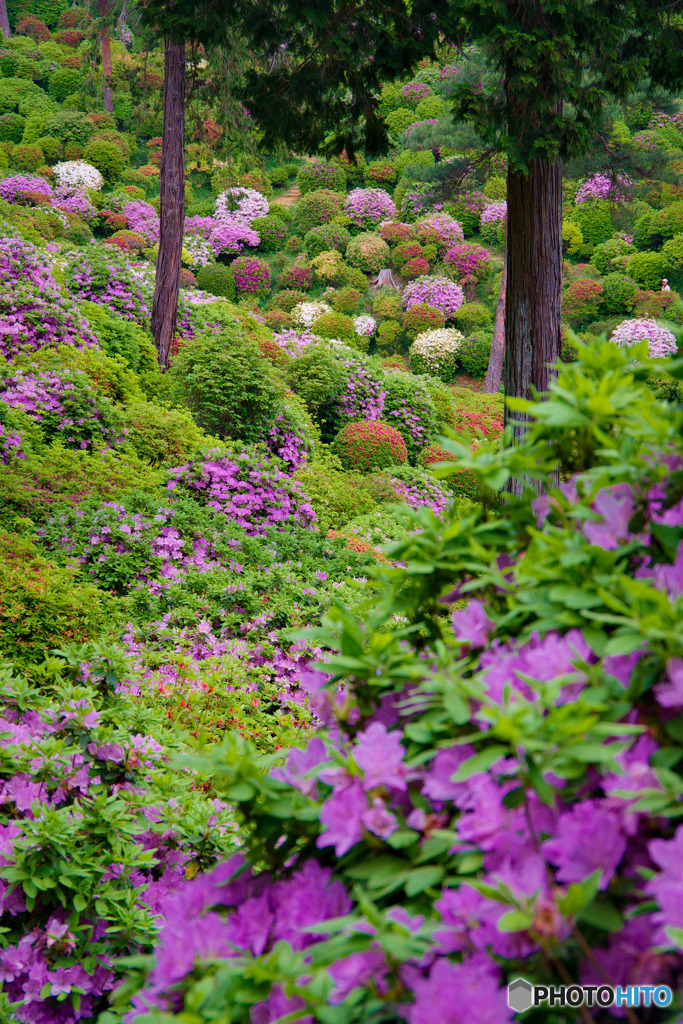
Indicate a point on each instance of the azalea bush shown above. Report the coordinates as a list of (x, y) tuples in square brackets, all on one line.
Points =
[(492, 778), (95, 832), (436, 352), (33, 310), (661, 341), (437, 291), (366, 207), (369, 444)]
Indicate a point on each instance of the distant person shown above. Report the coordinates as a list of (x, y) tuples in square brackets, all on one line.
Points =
[(665, 285)]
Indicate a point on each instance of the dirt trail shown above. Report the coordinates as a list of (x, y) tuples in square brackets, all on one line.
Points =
[(288, 198)]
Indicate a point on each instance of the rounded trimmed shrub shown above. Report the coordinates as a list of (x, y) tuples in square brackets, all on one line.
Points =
[(325, 238), (672, 251), (272, 231), (581, 302), (389, 336), (217, 279), (321, 176), (406, 251), (474, 354), (607, 253), (619, 294), (415, 268), (107, 157), (647, 268), (593, 217), (11, 127), (380, 172), (27, 158), (287, 300), (251, 275), (346, 300), (473, 316), (436, 352), (369, 444), (468, 260), (368, 252), (408, 406), (420, 318), (316, 208), (335, 325)]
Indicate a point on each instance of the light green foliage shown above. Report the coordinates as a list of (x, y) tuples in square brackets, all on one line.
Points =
[(607, 253), (495, 188), (572, 237), (431, 107), (119, 337), (107, 157), (42, 607), (162, 436), (318, 377), (593, 217), (647, 268), (398, 120), (64, 82), (618, 294), (409, 158), (336, 325), (336, 496), (672, 251)]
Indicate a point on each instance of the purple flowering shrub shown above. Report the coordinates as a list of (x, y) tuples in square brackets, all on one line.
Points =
[(65, 406), (293, 435), (438, 292), (366, 207), (95, 834), (417, 488), (410, 409), (101, 275), (143, 218), (122, 550), (468, 260), (498, 780), (251, 275), (248, 489), (10, 446), (33, 312)]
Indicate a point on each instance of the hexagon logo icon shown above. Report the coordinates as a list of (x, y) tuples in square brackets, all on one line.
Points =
[(520, 995)]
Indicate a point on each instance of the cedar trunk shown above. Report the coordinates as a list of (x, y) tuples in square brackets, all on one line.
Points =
[(533, 303), (494, 374), (4, 20), (106, 58), (172, 188)]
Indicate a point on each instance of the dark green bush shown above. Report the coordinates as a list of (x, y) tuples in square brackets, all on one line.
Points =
[(11, 127), (474, 354), (317, 376), (223, 380), (618, 293), (217, 279), (335, 325), (28, 158), (64, 82)]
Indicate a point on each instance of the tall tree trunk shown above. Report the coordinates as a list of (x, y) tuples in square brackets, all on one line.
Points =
[(533, 302), (494, 374), (172, 185), (106, 58), (4, 20)]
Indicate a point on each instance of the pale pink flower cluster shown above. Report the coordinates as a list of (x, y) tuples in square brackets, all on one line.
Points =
[(661, 342)]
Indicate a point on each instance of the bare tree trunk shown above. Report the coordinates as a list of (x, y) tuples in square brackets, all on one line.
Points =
[(4, 20), (494, 374), (106, 58), (172, 187), (533, 302)]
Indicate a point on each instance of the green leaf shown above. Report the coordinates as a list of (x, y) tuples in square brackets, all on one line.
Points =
[(481, 762), (602, 915), (515, 921), (422, 878)]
